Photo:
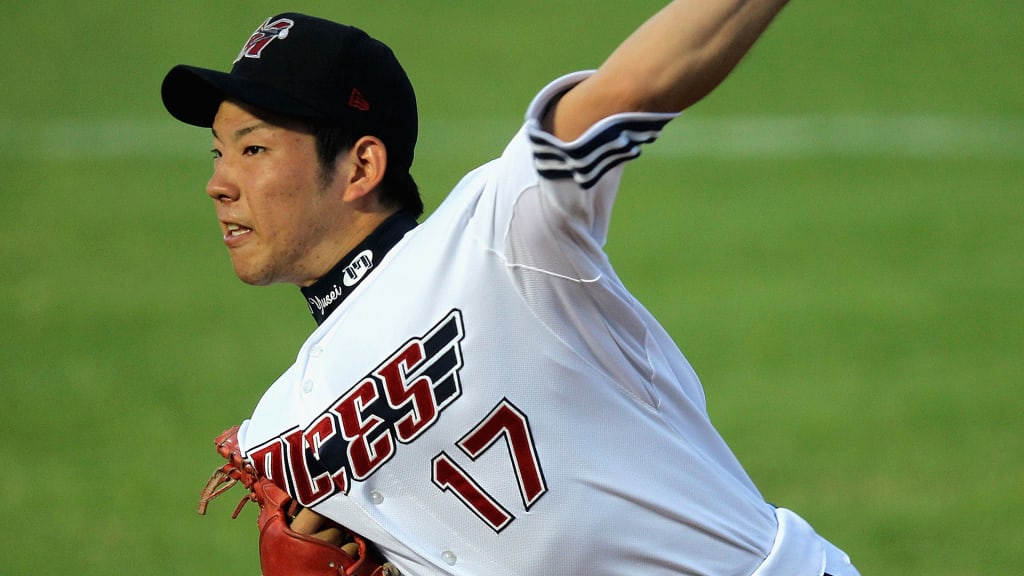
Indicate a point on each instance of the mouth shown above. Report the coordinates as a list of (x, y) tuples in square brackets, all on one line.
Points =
[(235, 234), (235, 230)]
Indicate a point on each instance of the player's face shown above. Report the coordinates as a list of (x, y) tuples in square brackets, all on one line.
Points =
[(276, 215)]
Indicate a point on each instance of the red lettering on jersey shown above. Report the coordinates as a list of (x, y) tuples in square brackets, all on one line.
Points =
[(309, 488), (365, 452), (318, 433), (268, 460), (504, 421), (399, 399), (400, 390), (508, 422), (449, 477)]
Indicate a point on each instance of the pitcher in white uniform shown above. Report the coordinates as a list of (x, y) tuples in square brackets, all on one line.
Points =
[(482, 395)]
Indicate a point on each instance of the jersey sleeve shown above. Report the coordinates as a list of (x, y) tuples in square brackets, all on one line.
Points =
[(556, 216), (566, 201), (605, 146)]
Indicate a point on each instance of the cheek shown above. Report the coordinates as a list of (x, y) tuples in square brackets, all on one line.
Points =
[(287, 201), (298, 216)]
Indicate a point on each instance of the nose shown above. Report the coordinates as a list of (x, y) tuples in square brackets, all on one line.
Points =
[(221, 187)]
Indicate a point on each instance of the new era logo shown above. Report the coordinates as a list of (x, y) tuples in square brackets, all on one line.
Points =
[(356, 100)]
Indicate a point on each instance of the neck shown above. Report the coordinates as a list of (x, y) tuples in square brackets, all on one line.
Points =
[(351, 233), (326, 294)]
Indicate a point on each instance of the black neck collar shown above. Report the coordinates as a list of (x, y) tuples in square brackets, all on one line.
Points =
[(330, 291)]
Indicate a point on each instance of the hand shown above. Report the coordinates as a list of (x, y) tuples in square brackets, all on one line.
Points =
[(310, 523)]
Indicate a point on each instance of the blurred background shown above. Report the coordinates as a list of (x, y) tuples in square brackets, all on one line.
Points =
[(834, 238)]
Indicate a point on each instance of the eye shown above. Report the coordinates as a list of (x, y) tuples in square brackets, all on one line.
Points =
[(215, 153), (253, 150)]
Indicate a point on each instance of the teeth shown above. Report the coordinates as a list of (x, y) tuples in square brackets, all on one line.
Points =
[(236, 230)]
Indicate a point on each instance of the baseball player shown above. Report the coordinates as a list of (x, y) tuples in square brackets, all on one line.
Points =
[(481, 395)]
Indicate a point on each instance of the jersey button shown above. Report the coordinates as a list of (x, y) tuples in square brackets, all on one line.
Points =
[(377, 498), (307, 386), (316, 351), (449, 558)]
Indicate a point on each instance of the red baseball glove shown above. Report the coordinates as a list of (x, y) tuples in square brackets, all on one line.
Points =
[(284, 552)]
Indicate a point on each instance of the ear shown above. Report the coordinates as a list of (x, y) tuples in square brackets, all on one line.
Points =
[(368, 159)]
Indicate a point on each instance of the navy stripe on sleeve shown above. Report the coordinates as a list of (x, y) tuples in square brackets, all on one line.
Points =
[(588, 161)]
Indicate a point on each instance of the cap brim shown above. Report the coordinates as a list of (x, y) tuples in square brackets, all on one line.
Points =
[(193, 95)]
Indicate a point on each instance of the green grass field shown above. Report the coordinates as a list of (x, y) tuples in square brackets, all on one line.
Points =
[(835, 238)]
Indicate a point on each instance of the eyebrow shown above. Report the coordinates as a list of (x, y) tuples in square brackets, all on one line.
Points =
[(244, 130)]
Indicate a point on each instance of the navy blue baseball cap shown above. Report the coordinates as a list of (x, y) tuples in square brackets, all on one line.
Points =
[(309, 69)]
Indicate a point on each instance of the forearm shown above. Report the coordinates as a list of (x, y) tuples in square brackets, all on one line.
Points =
[(672, 61), (683, 52)]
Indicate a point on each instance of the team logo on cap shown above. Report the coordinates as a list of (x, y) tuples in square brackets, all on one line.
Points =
[(263, 36)]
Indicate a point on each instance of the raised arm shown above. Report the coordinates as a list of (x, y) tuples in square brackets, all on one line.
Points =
[(668, 64)]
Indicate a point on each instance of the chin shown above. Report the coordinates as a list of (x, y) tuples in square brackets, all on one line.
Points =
[(253, 277)]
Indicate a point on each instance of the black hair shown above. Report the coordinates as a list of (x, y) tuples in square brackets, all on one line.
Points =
[(397, 188)]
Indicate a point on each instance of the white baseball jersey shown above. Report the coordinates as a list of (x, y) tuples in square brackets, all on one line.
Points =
[(490, 400)]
